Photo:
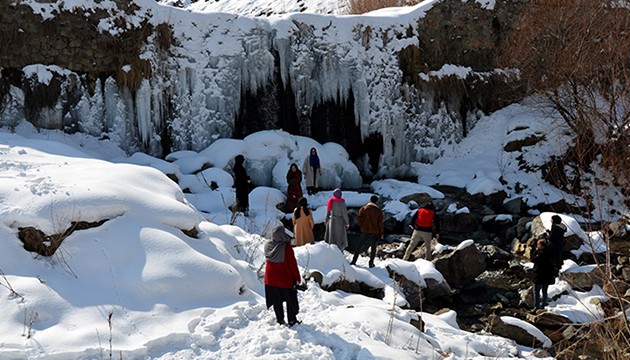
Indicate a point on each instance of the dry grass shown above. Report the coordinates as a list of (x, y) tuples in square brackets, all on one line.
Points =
[(363, 6)]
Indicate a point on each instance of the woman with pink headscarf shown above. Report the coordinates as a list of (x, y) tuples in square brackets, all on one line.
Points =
[(337, 221)]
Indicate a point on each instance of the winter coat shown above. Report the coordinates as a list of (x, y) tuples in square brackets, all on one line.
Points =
[(370, 220), (303, 227), (545, 270), (241, 185), (336, 224), (283, 274), (294, 188), (311, 175), (556, 243)]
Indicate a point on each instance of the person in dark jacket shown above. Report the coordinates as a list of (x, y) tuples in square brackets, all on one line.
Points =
[(294, 187), (281, 276), (241, 184), (544, 272), (370, 222), (426, 226), (556, 240)]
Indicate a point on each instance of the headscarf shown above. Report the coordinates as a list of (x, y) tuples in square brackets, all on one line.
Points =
[(336, 198), (274, 248), (314, 159)]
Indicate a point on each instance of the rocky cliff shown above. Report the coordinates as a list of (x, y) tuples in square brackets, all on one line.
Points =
[(159, 79)]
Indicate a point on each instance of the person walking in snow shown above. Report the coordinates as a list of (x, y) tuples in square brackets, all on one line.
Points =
[(337, 221), (556, 240), (544, 272), (303, 224), (426, 226), (241, 185), (281, 276), (370, 222), (294, 188), (312, 172)]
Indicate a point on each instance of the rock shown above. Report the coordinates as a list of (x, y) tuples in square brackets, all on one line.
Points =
[(616, 288), (522, 228), (515, 206), (499, 327), (517, 145), (495, 256), (496, 224), (584, 281), (316, 276), (618, 231), (420, 198), (462, 265), (520, 249), (437, 289), (463, 223), (418, 324), (548, 319)]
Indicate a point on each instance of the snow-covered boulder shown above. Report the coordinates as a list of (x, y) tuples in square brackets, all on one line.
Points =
[(461, 266)]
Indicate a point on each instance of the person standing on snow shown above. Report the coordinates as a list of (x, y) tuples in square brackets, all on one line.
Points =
[(312, 172), (281, 276), (294, 187), (544, 273), (337, 222), (426, 225), (556, 240), (370, 222), (241, 185), (303, 224)]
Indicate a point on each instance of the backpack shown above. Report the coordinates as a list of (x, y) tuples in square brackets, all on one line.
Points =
[(425, 218)]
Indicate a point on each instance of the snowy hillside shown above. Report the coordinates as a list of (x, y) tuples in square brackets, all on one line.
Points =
[(138, 286), (261, 7)]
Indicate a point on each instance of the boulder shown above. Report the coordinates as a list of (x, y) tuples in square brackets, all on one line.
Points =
[(463, 223), (498, 326), (496, 224), (548, 319), (420, 198), (495, 256), (461, 266), (584, 280), (515, 206), (618, 231)]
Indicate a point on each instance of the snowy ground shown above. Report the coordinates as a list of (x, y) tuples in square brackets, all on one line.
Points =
[(139, 287)]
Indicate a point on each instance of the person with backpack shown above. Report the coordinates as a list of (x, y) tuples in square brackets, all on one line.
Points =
[(370, 220), (303, 224), (544, 272), (426, 226), (282, 276)]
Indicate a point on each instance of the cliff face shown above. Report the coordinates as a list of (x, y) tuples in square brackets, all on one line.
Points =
[(158, 79)]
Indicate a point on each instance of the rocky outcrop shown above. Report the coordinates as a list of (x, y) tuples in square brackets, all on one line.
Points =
[(462, 265), (117, 51)]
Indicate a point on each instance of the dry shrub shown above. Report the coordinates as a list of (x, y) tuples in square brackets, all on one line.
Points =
[(576, 54), (364, 6)]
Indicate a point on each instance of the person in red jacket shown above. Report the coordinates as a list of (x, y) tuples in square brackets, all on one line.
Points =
[(426, 225), (281, 276)]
